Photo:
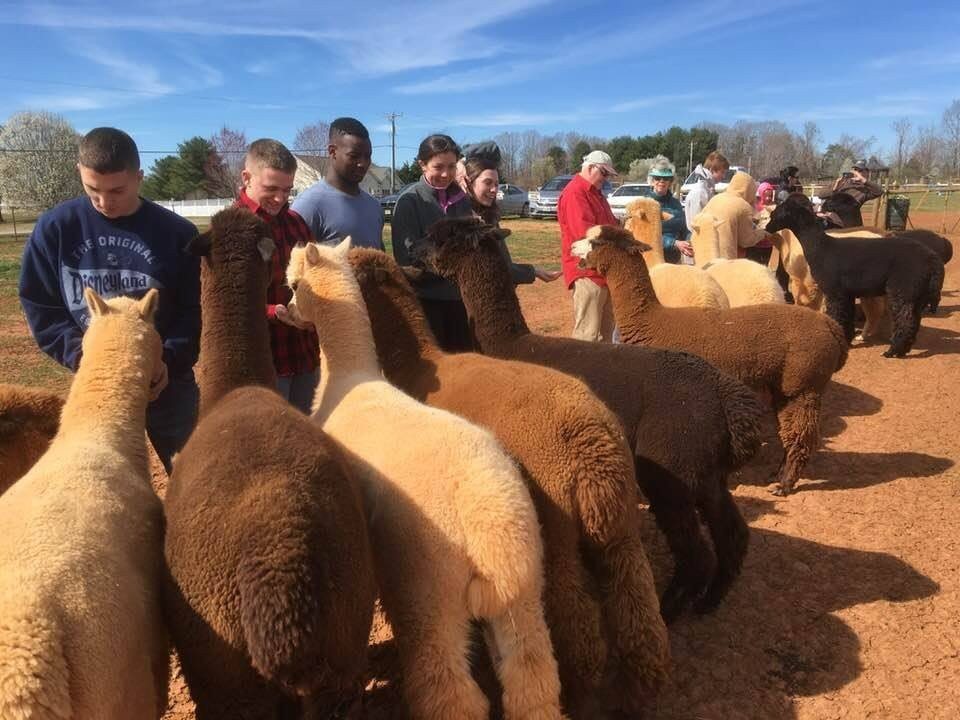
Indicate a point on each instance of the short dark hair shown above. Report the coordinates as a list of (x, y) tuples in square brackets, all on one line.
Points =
[(108, 150), (348, 126), (435, 145), (272, 154)]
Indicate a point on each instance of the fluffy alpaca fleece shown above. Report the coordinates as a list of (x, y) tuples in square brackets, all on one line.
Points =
[(29, 418), (271, 586), (675, 285), (745, 282), (687, 423), (580, 472), (734, 207), (908, 274), (789, 352), (454, 530), (81, 628)]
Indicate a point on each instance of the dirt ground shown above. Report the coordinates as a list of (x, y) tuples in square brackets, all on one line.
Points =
[(849, 601)]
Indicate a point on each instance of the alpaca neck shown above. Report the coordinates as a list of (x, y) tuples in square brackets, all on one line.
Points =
[(634, 300), (403, 340), (109, 395), (490, 298), (347, 349), (235, 338), (652, 235), (705, 249)]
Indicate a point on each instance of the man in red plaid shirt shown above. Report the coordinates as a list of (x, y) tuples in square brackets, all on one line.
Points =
[(267, 181)]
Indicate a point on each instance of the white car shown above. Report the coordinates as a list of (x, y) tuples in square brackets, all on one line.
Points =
[(691, 180), (624, 195)]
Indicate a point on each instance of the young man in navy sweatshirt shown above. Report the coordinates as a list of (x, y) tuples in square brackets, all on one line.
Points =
[(119, 244)]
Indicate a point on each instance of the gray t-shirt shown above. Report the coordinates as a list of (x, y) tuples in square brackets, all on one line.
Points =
[(333, 214)]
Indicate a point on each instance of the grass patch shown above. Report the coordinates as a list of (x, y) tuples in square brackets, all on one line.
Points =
[(22, 362)]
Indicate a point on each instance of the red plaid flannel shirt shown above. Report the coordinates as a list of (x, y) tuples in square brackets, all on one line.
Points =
[(294, 351)]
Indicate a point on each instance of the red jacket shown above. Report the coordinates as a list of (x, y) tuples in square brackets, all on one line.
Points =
[(580, 207)]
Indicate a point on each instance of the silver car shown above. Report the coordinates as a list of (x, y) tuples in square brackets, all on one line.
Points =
[(543, 201), (512, 200)]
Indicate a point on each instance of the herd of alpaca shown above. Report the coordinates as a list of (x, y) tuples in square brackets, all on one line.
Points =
[(490, 495)]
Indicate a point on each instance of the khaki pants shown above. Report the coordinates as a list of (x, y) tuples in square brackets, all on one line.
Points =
[(592, 311)]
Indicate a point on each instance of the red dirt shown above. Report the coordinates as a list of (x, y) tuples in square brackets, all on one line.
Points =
[(849, 600)]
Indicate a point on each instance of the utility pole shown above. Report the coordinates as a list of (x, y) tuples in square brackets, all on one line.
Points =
[(392, 117), (690, 163)]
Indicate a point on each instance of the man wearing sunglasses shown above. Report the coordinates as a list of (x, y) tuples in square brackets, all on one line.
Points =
[(581, 206)]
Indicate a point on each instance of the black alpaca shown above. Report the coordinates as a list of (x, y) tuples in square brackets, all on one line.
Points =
[(907, 273)]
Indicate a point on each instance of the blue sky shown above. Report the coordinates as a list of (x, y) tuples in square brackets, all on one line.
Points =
[(170, 70)]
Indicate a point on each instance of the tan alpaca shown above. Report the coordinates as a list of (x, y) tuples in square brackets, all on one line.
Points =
[(745, 282), (675, 285), (81, 539), (29, 418), (454, 532)]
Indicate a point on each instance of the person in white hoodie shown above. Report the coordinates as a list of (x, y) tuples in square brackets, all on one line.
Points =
[(709, 173)]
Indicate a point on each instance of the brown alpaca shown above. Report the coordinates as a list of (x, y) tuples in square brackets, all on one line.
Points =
[(271, 587), (574, 457), (790, 352), (29, 418), (687, 423)]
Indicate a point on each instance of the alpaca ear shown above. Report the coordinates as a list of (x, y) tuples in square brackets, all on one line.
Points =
[(502, 233), (266, 247), (642, 246), (312, 254), (148, 305), (344, 246), (411, 273), (199, 246), (98, 306)]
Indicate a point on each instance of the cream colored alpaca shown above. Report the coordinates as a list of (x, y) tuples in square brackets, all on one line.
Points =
[(745, 282), (81, 543), (674, 285), (454, 532)]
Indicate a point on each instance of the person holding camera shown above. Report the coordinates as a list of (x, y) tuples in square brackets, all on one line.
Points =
[(857, 185)]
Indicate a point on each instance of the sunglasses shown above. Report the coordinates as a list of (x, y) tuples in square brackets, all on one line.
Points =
[(663, 179)]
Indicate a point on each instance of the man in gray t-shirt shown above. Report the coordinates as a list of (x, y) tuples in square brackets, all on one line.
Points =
[(336, 206)]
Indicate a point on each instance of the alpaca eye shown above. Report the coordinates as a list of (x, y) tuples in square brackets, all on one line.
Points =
[(293, 285)]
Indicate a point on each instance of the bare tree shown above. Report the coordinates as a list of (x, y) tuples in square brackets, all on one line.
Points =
[(808, 153), (312, 139), (951, 127), (223, 172), (38, 164), (901, 128), (509, 144), (926, 152)]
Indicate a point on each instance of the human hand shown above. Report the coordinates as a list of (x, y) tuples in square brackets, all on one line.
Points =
[(546, 275), (286, 317), (159, 380), (685, 247)]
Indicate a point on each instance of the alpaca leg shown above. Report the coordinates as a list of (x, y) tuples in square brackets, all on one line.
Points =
[(433, 644), (905, 316), (841, 308), (641, 648), (674, 509), (525, 663), (874, 311), (730, 536), (798, 421)]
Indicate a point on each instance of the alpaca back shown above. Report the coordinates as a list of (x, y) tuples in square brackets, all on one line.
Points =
[(746, 282), (82, 535), (687, 286)]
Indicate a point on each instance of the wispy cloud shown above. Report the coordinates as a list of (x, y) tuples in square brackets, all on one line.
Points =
[(912, 59), (655, 101)]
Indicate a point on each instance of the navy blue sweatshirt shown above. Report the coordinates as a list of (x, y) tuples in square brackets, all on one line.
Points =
[(73, 246)]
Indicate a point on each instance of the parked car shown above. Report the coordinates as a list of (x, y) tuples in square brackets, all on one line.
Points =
[(388, 201), (543, 200), (513, 200), (719, 187), (624, 195)]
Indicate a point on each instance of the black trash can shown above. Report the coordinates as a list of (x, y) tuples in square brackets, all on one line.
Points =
[(898, 208)]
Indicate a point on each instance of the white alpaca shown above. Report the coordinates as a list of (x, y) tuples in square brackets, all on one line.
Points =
[(81, 543), (454, 531), (745, 282)]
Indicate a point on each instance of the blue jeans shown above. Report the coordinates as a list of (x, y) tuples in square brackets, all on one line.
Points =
[(171, 417), (298, 389)]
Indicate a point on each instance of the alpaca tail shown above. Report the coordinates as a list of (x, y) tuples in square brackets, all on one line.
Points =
[(603, 480), (502, 536), (34, 674), (742, 409)]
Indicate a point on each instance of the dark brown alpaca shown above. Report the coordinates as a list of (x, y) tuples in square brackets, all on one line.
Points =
[(575, 460), (29, 418), (687, 423), (788, 351), (270, 591)]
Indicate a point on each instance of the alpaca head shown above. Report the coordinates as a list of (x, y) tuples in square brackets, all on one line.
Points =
[(237, 245), (450, 240), (124, 325), (706, 227), (374, 268), (317, 273), (603, 243), (794, 213)]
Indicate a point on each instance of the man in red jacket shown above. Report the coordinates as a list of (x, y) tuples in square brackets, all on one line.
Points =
[(580, 207)]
